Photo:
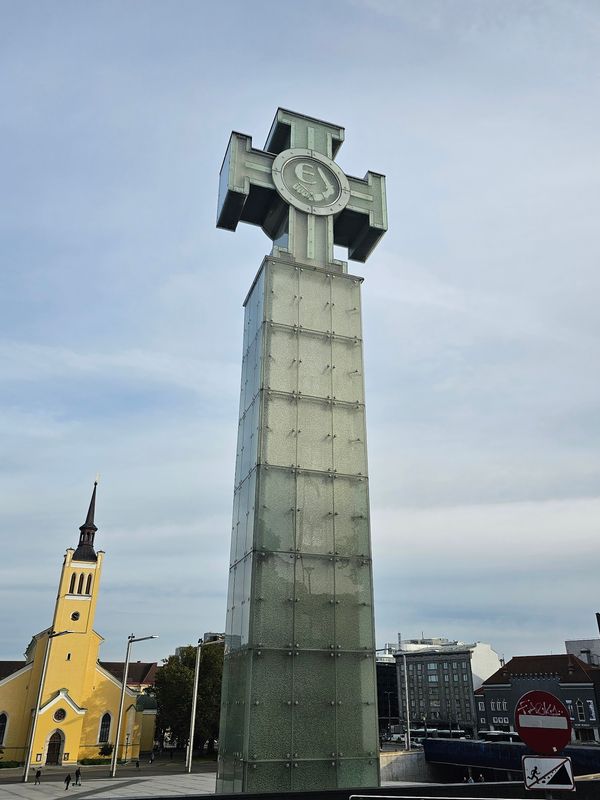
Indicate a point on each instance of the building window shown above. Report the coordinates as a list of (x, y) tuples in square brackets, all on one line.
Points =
[(80, 584), (493, 705), (465, 677), (59, 714), (88, 584), (72, 584), (569, 704), (591, 710), (481, 706), (580, 711), (445, 665), (482, 720), (455, 678), (3, 724), (431, 666), (432, 678), (104, 729)]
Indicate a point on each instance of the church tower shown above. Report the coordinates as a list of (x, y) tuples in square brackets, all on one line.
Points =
[(61, 704)]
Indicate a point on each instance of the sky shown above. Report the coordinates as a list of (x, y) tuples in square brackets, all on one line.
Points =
[(121, 303)]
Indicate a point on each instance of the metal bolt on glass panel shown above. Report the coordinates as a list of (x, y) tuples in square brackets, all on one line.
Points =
[(299, 700)]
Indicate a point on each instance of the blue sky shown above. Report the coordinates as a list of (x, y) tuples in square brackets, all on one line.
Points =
[(121, 319)]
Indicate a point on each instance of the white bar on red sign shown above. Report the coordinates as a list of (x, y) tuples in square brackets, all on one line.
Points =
[(533, 721)]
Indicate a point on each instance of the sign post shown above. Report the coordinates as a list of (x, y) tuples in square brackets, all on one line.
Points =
[(544, 724)]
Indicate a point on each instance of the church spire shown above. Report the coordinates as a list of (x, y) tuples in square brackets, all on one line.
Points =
[(85, 549)]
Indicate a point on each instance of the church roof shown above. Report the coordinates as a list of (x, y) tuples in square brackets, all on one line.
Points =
[(140, 673), (8, 667), (85, 549)]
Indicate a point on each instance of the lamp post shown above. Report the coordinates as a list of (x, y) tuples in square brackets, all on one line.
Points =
[(407, 715), (389, 713), (130, 640), (51, 635), (190, 748)]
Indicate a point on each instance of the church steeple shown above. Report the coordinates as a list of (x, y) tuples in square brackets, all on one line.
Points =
[(85, 549)]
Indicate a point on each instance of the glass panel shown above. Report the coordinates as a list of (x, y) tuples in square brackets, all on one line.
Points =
[(351, 521), (268, 777), (345, 296), (282, 296), (349, 443), (314, 775), (354, 773), (234, 526), (276, 503), (249, 527), (245, 602), (315, 602), (240, 537), (314, 714), (273, 600), (279, 431), (315, 300), (353, 612), (315, 450), (253, 369), (348, 370), (314, 373), (254, 308), (281, 360), (238, 452), (314, 519), (356, 709), (270, 732)]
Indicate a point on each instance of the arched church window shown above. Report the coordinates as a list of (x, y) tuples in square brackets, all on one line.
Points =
[(72, 584), (3, 724), (104, 729), (88, 584), (80, 584)]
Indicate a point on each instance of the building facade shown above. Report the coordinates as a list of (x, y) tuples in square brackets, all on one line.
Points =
[(79, 696), (387, 695), (440, 690), (567, 677)]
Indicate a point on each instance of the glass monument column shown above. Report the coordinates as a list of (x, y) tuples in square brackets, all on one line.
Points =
[(299, 700)]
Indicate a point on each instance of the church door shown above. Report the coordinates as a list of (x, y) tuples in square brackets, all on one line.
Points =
[(53, 756)]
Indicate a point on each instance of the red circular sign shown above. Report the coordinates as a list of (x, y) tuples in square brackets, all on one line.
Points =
[(543, 722)]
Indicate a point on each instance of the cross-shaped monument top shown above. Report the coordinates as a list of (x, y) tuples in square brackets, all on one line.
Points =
[(298, 195)]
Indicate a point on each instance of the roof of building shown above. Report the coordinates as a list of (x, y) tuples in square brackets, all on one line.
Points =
[(139, 672), (8, 667), (565, 666), (85, 549)]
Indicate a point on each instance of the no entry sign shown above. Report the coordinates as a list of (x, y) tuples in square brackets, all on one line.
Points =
[(543, 722)]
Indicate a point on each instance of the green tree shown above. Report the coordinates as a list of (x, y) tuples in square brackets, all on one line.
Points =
[(173, 693)]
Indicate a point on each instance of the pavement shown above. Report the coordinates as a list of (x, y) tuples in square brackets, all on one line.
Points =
[(144, 786)]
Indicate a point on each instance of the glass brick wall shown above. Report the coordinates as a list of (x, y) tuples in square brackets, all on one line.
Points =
[(299, 702)]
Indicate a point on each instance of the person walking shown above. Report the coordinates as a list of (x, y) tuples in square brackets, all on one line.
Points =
[(38, 775), (78, 777), (137, 763), (67, 781), (151, 758)]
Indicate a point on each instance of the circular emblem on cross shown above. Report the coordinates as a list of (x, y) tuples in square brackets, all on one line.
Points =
[(310, 182)]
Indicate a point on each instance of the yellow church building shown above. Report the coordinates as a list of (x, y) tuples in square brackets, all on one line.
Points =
[(78, 695)]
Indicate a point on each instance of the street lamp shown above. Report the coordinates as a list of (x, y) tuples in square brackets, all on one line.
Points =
[(407, 715), (51, 635), (130, 640), (389, 713), (190, 750)]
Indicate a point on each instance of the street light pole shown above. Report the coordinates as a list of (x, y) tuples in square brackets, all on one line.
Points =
[(407, 715), (389, 713), (190, 750), (51, 635), (130, 640)]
